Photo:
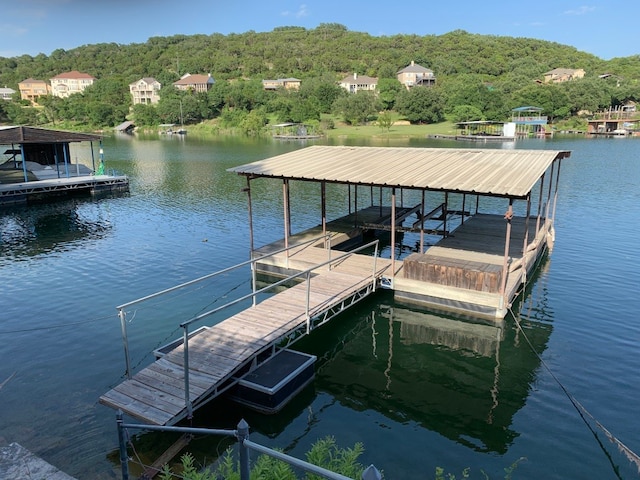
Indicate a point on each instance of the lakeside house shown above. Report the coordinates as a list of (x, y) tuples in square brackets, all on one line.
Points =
[(355, 83), (68, 83), (559, 75), (6, 93), (195, 83), (415, 75), (286, 83), (145, 91), (32, 89)]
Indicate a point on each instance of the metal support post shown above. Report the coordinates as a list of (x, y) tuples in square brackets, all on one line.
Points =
[(123, 325), (242, 435), (124, 458), (187, 400)]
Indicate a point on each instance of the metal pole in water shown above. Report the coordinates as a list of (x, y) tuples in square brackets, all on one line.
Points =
[(124, 458)]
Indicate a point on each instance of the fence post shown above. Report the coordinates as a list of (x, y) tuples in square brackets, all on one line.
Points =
[(125, 339), (243, 434), (308, 302), (124, 458)]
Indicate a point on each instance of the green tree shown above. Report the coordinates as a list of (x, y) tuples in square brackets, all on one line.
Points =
[(388, 91), (385, 120), (466, 113), (146, 115), (356, 108), (421, 105)]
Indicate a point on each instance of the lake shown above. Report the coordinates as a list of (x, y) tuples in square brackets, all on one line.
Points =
[(419, 390)]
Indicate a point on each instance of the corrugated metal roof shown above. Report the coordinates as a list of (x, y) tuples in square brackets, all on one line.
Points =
[(21, 135), (511, 173)]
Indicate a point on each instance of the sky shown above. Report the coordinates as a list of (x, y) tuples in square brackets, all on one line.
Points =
[(604, 28)]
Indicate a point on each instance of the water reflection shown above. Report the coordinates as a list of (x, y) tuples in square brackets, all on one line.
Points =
[(463, 380), (40, 229)]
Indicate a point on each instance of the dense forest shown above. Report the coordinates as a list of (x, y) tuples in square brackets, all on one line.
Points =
[(478, 77)]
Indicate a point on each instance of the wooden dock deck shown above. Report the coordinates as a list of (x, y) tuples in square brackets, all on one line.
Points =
[(221, 354)]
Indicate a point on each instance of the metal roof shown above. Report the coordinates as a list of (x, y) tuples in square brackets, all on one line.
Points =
[(510, 173), (23, 135)]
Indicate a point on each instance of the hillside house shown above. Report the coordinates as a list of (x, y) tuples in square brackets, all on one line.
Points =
[(286, 83), (6, 93), (145, 91), (69, 83), (415, 75), (355, 83), (195, 83), (559, 75), (32, 89)]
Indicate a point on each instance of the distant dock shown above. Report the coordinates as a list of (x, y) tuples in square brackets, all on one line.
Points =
[(37, 167)]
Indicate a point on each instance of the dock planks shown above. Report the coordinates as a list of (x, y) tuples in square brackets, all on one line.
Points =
[(219, 354)]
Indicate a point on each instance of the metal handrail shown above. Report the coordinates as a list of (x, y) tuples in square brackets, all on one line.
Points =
[(123, 315), (241, 434), (252, 295)]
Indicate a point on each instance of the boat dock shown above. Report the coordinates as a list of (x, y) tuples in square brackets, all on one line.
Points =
[(463, 260), (37, 166), (217, 357)]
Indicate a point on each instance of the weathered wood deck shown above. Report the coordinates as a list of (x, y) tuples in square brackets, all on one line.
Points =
[(218, 356)]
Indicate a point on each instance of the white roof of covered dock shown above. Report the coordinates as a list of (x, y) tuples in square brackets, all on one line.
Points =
[(508, 173)]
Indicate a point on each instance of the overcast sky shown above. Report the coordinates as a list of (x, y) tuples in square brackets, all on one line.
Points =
[(604, 28)]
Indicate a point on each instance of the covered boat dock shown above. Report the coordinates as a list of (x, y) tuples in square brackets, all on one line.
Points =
[(38, 165), (480, 219)]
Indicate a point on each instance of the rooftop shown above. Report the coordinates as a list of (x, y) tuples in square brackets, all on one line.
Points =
[(507, 173)]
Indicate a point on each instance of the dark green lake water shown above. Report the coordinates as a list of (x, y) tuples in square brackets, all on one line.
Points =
[(418, 389)]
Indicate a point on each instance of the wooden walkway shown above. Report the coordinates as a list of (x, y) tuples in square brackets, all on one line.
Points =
[(220, 355)]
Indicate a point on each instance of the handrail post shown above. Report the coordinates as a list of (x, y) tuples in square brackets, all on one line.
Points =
[(329, 259), (243, 434), (123, 325), (253, 283), (375, 266), (124, 458), (308, 301), (187, 400)]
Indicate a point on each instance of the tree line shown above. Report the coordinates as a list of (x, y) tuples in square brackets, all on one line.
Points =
[(479, 77)]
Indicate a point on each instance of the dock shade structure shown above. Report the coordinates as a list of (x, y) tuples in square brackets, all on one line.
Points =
[(37, 164), (481, 218)]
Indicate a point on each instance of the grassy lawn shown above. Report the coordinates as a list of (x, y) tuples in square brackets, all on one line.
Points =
[(396, 131)]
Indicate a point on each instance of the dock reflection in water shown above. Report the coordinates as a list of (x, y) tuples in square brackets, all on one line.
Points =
[(462, 380), (45, 228)]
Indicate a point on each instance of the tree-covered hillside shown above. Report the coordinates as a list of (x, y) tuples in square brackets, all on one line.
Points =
[(489, 73)]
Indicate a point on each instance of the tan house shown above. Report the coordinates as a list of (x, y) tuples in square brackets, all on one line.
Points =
[(195, 83), (69, 83), (559, 75), (416, 75), (32, 89), (145, 91), (355, 83), (286, 83)]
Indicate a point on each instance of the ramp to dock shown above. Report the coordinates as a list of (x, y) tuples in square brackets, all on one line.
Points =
[(218, 356)]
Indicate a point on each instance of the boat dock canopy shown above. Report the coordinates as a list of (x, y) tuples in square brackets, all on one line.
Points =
[(505, 173), (24, 135)]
